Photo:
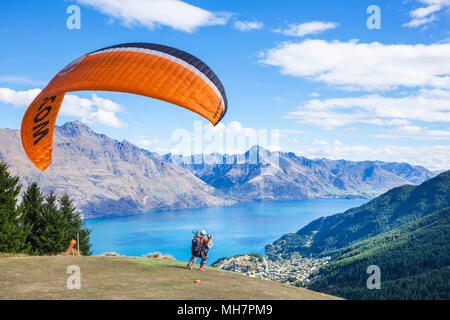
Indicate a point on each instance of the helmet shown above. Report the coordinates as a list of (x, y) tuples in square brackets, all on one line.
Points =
[(203, 232)]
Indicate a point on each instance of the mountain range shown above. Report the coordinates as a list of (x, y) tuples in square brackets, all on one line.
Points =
[(107, 177), (263, 175)]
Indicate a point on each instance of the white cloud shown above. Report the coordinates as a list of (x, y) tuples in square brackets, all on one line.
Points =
[(248, 25), (425, 105), (319, 142), (148, 143), (176, 14), (14, 79), (18, 98), (410, 129), (417, 22), (416, 133), (234, 128), (307, 28), (364, 66), (281, 100), (433, 157), (231, 138), (425, 15), (397, 122), (92, 111)]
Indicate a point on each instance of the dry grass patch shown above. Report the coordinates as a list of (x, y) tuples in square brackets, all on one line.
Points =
[(10, 255), (110, 254), (158, 255)]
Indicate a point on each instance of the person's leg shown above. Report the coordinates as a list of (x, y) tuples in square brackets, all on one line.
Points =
[(193, 262), (204, 258), (189, 263), (202, 263)]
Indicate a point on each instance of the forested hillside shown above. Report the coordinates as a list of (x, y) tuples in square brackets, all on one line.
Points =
[(414, 261), (328, 235), (405, 232)]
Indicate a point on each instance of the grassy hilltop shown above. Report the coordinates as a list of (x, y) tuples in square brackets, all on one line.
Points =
[(121, 278)]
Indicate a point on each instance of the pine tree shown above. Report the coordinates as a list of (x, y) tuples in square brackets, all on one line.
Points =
[(74, 224), (13, 230), (54, 231), (37, 225), (33, 201)]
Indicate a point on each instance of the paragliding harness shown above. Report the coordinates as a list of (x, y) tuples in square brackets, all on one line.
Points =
[(204, 250), (196, 246)]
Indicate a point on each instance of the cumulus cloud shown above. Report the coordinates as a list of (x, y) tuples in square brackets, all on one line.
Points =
[(176, 14), (364, 66), (425, 105), (433, 157), (425, 15), (93, 111), (248, 25), (228, 138), (18, 98), (307, 28)]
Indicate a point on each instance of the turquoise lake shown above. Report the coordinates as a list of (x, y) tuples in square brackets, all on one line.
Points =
[(242, 228)]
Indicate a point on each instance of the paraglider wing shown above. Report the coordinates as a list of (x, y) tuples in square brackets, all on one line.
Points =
[(146, 69)]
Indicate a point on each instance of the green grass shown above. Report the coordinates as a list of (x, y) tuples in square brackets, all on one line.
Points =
[(120, 278)]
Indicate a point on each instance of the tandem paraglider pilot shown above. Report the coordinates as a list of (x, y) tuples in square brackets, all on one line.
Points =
[(200, 248)]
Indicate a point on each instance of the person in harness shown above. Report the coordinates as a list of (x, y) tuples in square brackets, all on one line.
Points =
[(204, 252), (196, 247)]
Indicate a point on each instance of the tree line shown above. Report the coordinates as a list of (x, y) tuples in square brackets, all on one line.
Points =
[(39, 224)]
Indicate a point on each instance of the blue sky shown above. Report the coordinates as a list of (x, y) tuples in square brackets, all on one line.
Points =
[(308, 72)]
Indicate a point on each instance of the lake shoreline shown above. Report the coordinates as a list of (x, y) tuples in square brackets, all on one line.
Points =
[(237, 229), (222, 206)]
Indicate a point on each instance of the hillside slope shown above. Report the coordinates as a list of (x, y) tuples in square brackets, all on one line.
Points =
[(108, 177), (414, 261), (389, 211), (117, 278), (262, 175)]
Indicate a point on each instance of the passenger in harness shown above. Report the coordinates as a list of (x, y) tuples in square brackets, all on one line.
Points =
[(204, 252), (196, 247)]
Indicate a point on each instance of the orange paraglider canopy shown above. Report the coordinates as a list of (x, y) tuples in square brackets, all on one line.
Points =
[(146, 69)]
